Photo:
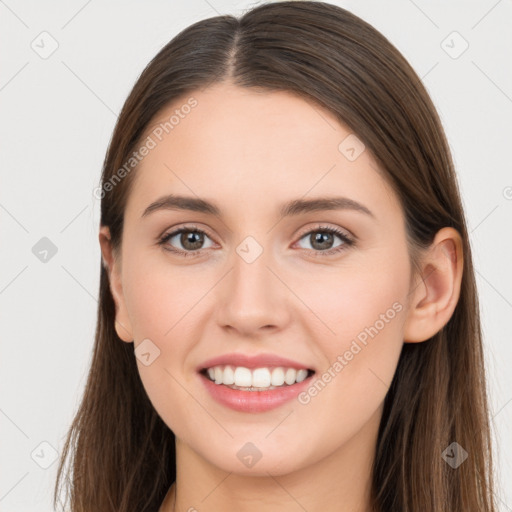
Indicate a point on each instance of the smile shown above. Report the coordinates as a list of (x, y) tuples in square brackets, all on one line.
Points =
[(258, 379), (261, 395)]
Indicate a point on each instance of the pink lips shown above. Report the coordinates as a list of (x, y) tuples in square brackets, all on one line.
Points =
[(251, 362), (252, 401)]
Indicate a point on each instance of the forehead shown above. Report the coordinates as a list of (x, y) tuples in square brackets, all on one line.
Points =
[(224, 116), (251, 147)]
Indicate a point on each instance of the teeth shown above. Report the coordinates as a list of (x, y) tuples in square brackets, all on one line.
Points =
[(243, 377), (260, 378), (301, 375), (229, 376), (290, 375), (277, 377)]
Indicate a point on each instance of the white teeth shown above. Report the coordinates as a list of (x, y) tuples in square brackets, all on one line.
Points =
[(260, 378), (301, 375), (243, 377), (277, 377), (290, 376), (229, 376)]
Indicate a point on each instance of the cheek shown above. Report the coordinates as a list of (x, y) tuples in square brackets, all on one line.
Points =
[(360, 338), (163, 302), (354, 303), (160, 296), (158, 301)]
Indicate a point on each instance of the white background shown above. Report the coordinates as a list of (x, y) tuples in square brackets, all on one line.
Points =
[(57, 116)]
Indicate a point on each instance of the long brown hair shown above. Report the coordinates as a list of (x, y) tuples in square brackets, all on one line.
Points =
[(121, 453)]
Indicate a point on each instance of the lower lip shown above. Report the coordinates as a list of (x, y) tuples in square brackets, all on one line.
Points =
[(253, 401)]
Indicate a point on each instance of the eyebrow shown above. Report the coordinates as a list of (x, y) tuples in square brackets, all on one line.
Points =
[(294, 207)]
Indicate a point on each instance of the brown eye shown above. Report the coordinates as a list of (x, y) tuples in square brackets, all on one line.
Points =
[(190, 240), (323, 239)]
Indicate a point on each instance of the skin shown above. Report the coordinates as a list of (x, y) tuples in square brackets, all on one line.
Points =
[(249, 152)]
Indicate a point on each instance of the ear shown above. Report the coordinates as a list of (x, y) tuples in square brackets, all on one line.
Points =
[(437, 289), (112, 265)]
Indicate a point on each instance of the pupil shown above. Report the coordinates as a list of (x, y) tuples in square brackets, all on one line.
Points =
[(192, 237), (321, 237)]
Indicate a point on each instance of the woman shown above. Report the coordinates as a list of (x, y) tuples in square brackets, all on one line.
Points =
[(288, 315)]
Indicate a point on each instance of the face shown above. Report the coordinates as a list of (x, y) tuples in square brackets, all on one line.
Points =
[(321, 288)]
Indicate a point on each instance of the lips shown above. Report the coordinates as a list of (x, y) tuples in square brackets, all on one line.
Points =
[(258, 398), (252, 362)]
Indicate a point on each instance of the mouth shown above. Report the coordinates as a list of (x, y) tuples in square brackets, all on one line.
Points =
[(254, 383), (266, 378)]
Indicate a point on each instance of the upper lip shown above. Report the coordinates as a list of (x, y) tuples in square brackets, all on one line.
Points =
[(251, 361)]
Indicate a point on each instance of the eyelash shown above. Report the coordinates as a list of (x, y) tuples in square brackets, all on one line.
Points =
[(347, 241)]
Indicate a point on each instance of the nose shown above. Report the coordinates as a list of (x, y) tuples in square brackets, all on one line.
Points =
[(252, 300)]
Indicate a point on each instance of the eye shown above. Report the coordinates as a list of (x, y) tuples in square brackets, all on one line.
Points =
[(322, 238), (191, 240)]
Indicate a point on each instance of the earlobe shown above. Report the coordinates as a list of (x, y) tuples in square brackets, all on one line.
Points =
[(110, 263), (437, 291)]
